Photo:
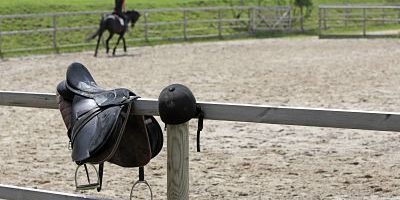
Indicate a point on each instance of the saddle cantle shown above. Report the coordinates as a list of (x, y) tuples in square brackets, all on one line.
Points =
[(100, 124)]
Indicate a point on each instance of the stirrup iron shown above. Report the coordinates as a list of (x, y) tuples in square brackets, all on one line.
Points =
[(141, 180), (89, 186)]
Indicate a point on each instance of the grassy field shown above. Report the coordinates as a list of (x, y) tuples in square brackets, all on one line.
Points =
[(35, 6), (56, 6)]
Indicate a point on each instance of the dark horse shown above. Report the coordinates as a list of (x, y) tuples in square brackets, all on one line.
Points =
[(113, 24)]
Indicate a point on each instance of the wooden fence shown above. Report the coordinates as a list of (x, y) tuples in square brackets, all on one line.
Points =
[(56, 31), (177, 135), (358, 21), (10, 192)]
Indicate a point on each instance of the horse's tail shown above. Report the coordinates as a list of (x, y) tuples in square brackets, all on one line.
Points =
[(91, 37)]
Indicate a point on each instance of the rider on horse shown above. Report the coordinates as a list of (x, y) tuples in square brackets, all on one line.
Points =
[(119, 9)]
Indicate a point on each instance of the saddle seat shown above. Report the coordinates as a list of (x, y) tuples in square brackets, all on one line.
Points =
[(114, 16), (100, 124)]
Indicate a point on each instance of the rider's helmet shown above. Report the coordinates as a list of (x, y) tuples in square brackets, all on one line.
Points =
[(176, 104)]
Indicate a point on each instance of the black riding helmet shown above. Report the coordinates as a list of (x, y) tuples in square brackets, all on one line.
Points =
[(177, 105)]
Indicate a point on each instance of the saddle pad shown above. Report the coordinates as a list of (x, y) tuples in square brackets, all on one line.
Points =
[(116, 17)]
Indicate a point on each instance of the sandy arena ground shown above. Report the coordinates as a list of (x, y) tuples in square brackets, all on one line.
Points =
[(238, 160)]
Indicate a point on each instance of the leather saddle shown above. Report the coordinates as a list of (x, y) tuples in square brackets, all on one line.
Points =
[(101, 126), (114, 16)]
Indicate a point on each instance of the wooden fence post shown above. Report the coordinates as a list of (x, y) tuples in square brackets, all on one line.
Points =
[(184, 24), (146, 37), (398, 16), (178, 161), (324, 14), (249, 21), (364, 22), (319, 21), (252, 24), (219, 23), (290, 19), (55, 34), (1, 53), (346, 13)]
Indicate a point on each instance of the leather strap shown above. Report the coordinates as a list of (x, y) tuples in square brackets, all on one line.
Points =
[(101, 167), (200, 115)]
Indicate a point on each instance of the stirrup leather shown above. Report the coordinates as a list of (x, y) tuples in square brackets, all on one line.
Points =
[(95, 185), (141, 180)]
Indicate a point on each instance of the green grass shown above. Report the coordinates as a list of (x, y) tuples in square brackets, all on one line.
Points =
[(38, 6)]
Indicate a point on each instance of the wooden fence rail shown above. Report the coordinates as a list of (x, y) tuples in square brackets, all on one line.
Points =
[(10, 192), (319, 117), (177, 135), (215, 24)]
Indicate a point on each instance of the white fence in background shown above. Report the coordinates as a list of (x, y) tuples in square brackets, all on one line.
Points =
[(55, 31), (359, 21)]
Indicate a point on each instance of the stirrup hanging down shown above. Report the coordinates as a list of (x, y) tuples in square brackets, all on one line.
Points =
[(141, 180), (95, 185)]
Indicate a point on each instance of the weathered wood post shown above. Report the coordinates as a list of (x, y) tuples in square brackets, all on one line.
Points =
[(324, 15), (184, 24), (178, 161), (55, 34), (1, 53), (249, 20), (146, 31), (176, 106), (290, 19), (319, 21), (219, 23), (346, 13), (398, 16), (364, 22), (252, 23)]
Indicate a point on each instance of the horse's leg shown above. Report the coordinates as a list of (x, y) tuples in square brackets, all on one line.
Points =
[(119, 38), (98, 42), (108, 39), (123, 40)]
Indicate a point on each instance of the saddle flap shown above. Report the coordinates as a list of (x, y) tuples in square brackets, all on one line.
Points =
[(134, 149), (92, 132), (155, 133)]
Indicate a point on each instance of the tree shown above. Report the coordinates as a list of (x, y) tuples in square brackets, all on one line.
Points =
[(303, 4)]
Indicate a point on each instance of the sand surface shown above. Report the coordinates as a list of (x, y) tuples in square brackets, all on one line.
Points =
[(238, 160)]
